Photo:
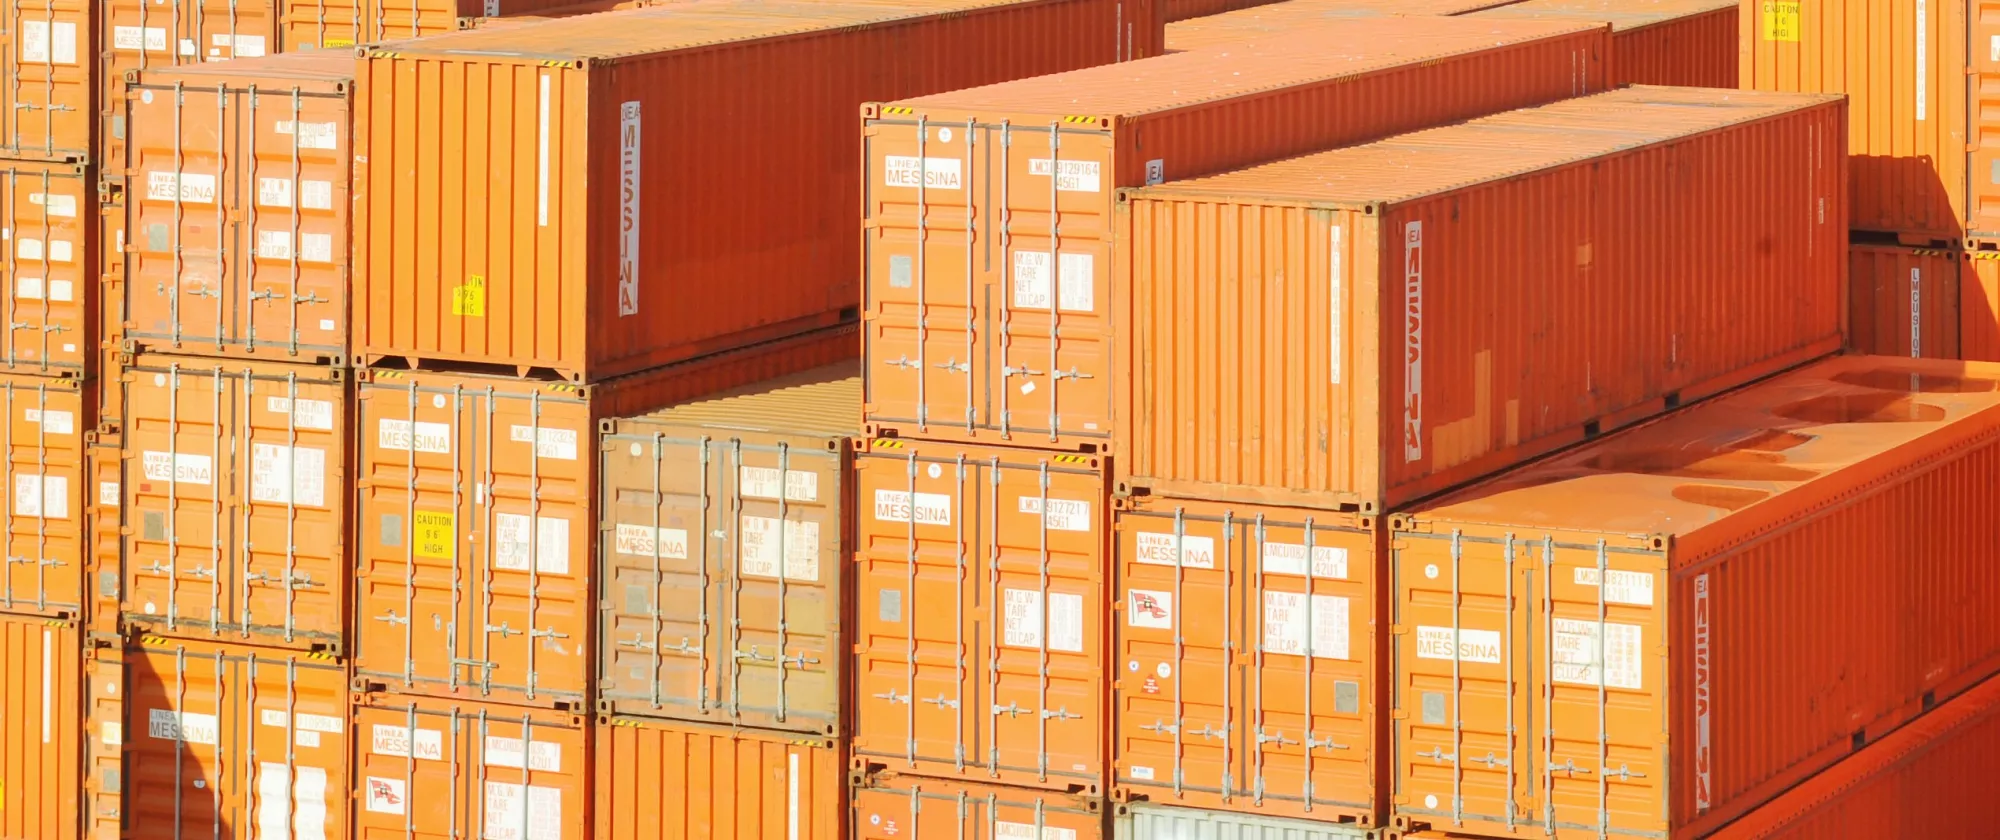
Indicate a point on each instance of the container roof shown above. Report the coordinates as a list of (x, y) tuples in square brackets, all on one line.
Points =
[(330, 65), (1623, 15), (1494, 148), (823, 401), (1280, 18)]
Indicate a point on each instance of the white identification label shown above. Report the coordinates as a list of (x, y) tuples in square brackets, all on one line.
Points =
[(188, 187), (628, 209), (1159, 550), (135, 39), (316, 247), (288, 475), (30, 288), (522, 812), (553, 443), (306, 721), (1290, 559), (54, 204), (189, 727), (243, 46), (177, 467), (1579, 659), (28, 249), (1413, 342), (1063, 514), (425, 437), (274, 192), (1149, 608), (111, 733), (42, 497), (395, 741), (274, 245), (1471, 645), (506, 752), (52, 422), (1026, 626), (109, 494), (1635, 588), (306, 414), (312, 135), (316, 195), (1287, 625), (288, 810), (643, 540), (937, 173), (1003, 830), (761, 548), (1071, 175), (1078, 291), (895, 506), (511, 549), (762, 483)]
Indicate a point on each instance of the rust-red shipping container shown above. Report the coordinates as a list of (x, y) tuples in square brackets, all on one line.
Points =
[(49, 269), (41, 733), (1327, 331), (230, 740), (103, 709), (1653, 634), (239, 206), (893, 807), (1979, 306), (45, 104), (1932, 778), (621, 230), (103, 497), (1691, 43), (1919, 77), (1185, 9), (946, 275), (477, 519), (458, 768), (236, 506), (667, 781), (1251, 22), (1903, 301), (981, 634), (43, 538), (729, 524), (1247, 658)]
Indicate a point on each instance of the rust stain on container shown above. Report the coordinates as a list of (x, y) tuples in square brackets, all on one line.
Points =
[(43, 539), (1903, 301), (666, 781), (227, 740), (626, 224), (1735, 587), (1691, 43), (443, 768), (237, 501), (1929, 779), (980, 632), (1323, 331), (46, 100), (152, 34), (995, 324), (1979, 306), (103, 707), (239, 207), (48, 271), (728, 525), (477, 519), (1255, 21), (1246, 661), (41, 665), (103, 499), (894, 807)]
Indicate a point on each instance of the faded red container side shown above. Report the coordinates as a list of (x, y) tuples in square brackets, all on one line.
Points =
[(666, 781), (41, 672), (570, 109), (1688, 43), (1239, 22), (893, 807), (1257, 387), (1903, 301)]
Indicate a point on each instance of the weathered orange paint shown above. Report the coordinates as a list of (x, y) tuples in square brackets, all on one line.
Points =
[(660, 780), (1903, 301), (43, 535), (1253, 21), (443, 768), (48, 63), (894, 807), (1689, 43), (1979, 306), (41, 733), (48, 269)]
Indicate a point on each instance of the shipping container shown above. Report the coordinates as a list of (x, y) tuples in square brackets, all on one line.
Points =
[(1262, 21), (1186, 9), (1655, 633), (139, 35), (981, 632), (103, 709), (1979, 306), (1690, 43), (48, 272), (110, 313), (231, 740), (480, 769), (41, 732), (240, 205), (745, 623), (1145, 821), (891, 807), (1326, 331), (237, 505), (477, 520), (1932, 779), (43, 539), (1917, 74), (590, 245), (45, 104), (946, 277), (667, 781), (1246, 661), (1903, 301), (103, 498)]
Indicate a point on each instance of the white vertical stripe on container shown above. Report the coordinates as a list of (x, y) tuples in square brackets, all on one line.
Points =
[(792, 782), (48, 657), (542, 155)]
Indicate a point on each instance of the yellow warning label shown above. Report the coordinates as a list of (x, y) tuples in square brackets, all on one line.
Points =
[(436, 535), (336, 42), (1781, 20), (470, 299)]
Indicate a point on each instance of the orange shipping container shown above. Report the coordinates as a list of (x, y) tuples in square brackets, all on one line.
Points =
[(230, 740), (237, 503), (1692, 43), (150, 34), (1924, 160), (1930, 779), (42, 532), (455, 768), (48, 271), (110, 314), (1979, 306), (1246, 661), (745, 622), (1903, 301), (41, 664), (668, 781), (103, 497), (1653, 634), (623, 229), (104, 736), (477, 520), (946, 276), (240, 208), (980, 633), (895, 807), (45, 103), (1327, 330), (1185, 9), (1266, 20)]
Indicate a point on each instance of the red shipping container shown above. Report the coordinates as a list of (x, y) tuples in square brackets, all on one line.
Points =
[(1654, 634), (600, 224), (1253, 21), (1331, 331), (971, 335), (1689, 43), (1903, 301), (1979, 306)]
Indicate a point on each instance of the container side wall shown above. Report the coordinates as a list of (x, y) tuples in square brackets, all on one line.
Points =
[(41, 672), (1691, 51), (455, 767), (661, 781), (1903, 301), (912, 806)]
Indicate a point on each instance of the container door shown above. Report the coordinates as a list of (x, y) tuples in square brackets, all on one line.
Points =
[(45, 268), (1982, 138), (48, 90), (472, 770), (289, 291), (40, 674), (291, 441), (42, 527), (176, 556), (104, 739), (180, 770)]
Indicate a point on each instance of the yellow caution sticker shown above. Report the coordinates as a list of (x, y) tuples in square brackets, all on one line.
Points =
[(469, 300), (1781, 20), (437, 535), (330, 43)]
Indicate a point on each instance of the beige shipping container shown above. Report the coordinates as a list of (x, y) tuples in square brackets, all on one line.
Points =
[(428, 767), (44, 539), (41, 730), (236, 501), (727, 526), (1368, 326)]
